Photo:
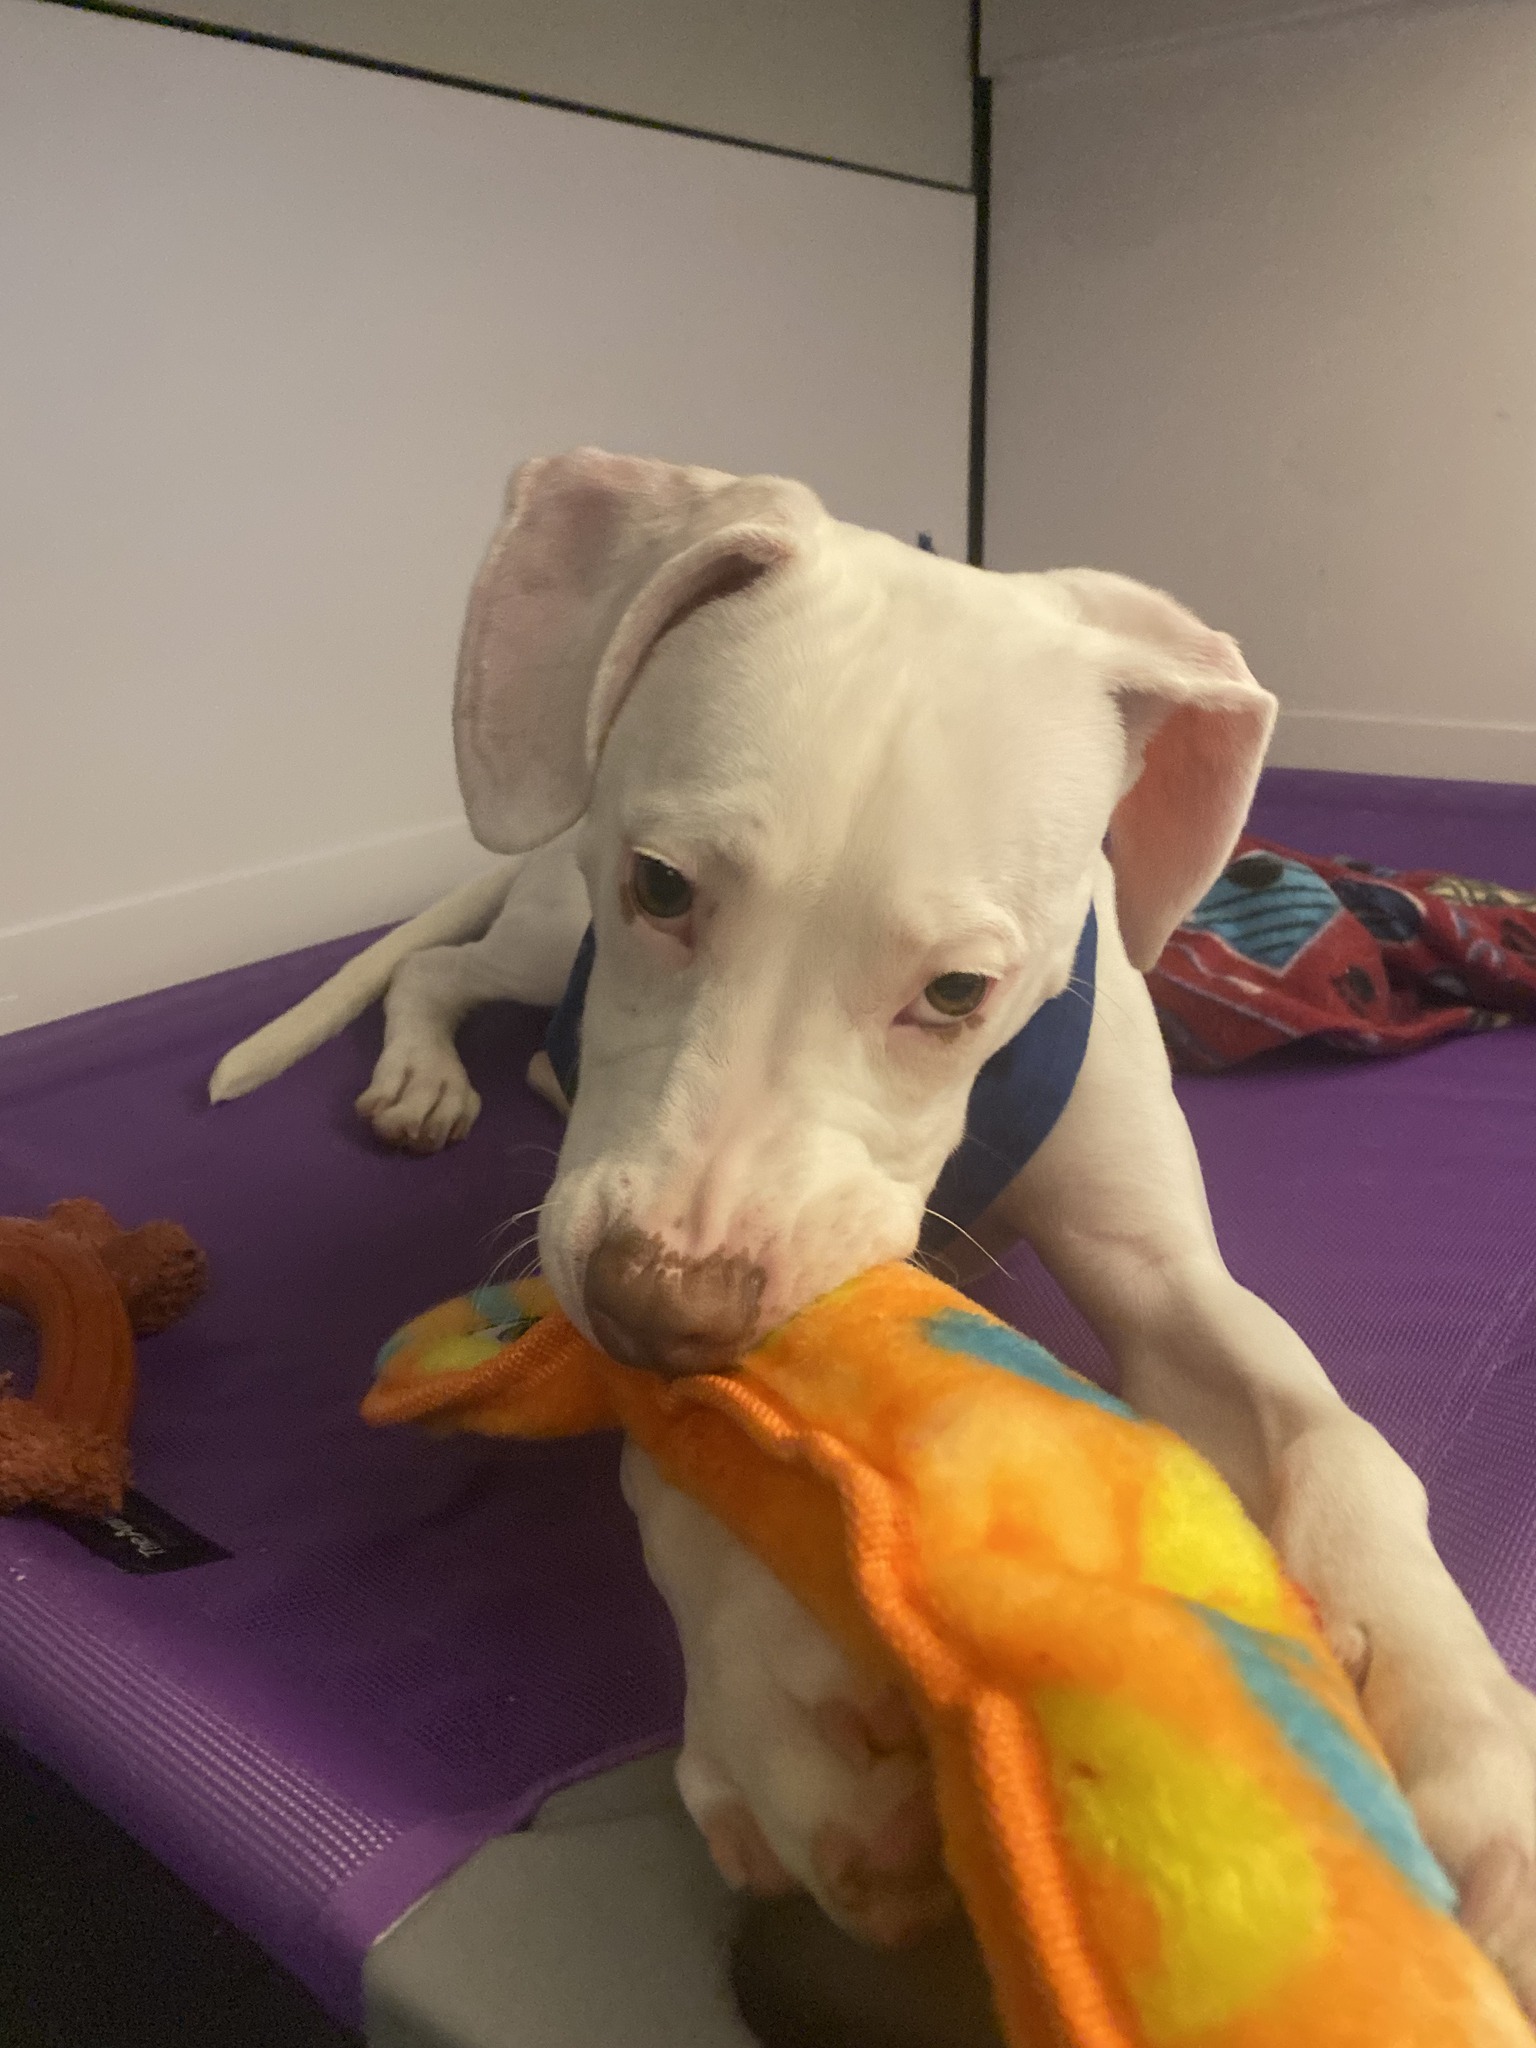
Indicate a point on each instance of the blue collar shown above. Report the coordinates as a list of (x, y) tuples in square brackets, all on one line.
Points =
[(1016, 1099)]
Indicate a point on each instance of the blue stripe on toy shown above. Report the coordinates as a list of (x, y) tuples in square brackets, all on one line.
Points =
[(495, 1304), (971, 1336), (391, 1349), (501, 1312), (1326, 1746)]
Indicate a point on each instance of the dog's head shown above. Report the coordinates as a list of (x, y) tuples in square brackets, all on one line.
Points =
[(842, 806)]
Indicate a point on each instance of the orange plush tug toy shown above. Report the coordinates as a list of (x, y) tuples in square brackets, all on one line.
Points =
[(1167, 1819), (89, 1286)]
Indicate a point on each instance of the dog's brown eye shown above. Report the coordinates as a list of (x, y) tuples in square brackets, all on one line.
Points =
[(956, 995), (659, 891)]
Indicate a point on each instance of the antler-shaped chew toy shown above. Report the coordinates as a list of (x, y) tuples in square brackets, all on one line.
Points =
[(88, 1285)]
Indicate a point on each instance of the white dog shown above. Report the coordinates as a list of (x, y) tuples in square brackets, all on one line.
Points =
[(838, 812)]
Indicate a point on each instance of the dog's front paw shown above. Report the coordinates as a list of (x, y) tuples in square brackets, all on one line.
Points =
[(1498, 1909), (1469, 1770), (800, 1771), (839, 1801), (1460, 1735), (887, 1884), (1458, 1731), (420, 1098)]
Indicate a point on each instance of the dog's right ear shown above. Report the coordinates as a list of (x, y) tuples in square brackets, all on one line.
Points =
[(1196, 725), (596, 557)]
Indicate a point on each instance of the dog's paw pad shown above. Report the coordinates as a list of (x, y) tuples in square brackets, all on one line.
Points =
[(742, 1853), (891, 1888), (1498, 1909), (1491, 1889)]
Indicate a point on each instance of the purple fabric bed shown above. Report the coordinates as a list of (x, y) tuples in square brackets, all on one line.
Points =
[(411, 1642)]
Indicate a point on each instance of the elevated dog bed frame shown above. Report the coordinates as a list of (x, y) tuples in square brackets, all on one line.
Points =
[(406, 1645)]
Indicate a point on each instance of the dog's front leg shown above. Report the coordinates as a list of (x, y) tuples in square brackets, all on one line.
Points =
[(797, 1768), (1115, 1204), (420, 1098)]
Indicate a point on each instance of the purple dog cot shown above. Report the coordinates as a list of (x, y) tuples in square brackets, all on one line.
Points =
[(411, 1643)]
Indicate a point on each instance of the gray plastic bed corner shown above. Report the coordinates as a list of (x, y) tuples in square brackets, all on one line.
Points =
[(603, 1925)]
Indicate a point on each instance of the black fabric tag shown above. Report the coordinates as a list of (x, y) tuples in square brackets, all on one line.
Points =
[(143, 1538)]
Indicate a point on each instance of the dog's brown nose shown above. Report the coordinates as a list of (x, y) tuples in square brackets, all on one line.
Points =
[(652, 1307)]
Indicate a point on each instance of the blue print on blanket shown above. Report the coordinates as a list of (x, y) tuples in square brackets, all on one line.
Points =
[(1266, 909)]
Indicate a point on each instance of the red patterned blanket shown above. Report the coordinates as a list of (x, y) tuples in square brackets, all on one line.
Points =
[(1289, 947)]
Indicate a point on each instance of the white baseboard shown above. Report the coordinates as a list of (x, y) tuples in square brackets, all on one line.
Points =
[(1371, 743), (56, 966)]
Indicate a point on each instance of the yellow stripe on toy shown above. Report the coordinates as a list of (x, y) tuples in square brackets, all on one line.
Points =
[(1161, 1805)]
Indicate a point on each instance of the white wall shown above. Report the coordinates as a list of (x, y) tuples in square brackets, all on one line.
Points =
[(272, 331), (881, 82), (1264, 331)]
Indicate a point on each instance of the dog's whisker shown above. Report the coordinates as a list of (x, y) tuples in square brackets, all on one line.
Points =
[(960, 1231), (499, 1269), (511, 1223), (1015, 1285), (529, 1145), (937, 1265), (521, 1216), (1089, 993)]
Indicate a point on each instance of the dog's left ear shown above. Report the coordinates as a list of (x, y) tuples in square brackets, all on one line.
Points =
[(597, 557), (1196, 727)]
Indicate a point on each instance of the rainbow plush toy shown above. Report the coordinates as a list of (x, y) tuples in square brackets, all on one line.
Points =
[(1161, 1806)]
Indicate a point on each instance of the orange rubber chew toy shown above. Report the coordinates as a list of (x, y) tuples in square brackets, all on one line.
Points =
[(89, 1286), (1160, 1803)]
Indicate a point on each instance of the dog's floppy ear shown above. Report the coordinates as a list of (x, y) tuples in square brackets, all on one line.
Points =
[(1196, 726), (596, 556)]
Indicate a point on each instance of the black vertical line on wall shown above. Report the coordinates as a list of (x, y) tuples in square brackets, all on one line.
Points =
[(981, 185)]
